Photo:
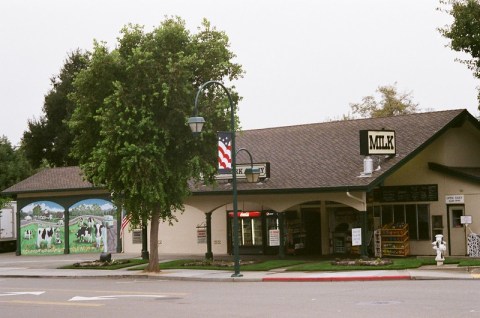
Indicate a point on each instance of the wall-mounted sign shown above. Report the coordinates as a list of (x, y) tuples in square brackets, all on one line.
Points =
[(455, 199), (377, 142), (407, 193), (466, 219), (263, 167)]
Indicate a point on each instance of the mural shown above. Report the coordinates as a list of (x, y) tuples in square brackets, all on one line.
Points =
[(42, 228), (92, 227)]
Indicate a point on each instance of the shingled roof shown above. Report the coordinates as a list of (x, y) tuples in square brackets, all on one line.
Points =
[(52, 179), (303, 158), (326, 156)]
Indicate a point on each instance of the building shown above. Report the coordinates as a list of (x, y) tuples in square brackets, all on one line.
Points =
[(317, 189)]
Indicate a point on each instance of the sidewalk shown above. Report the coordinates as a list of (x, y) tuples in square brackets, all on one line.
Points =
[(47, 267)]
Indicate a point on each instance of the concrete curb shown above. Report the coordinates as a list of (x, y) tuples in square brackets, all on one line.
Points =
[(336, 279)]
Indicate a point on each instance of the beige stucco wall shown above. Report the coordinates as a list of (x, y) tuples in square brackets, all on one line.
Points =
[(458, 147)]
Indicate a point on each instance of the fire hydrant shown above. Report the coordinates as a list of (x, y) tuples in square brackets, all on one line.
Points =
[(440, 247)]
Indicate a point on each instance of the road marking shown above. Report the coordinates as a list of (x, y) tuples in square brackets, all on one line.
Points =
[(82, 298), (50, 303), (22, 293)]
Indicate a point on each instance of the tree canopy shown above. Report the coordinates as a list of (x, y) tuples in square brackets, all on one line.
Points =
[(389, 103), (48, 139), (132, 104), (13, 166), (464, 32)]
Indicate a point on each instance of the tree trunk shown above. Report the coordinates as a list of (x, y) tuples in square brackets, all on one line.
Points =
[(154, 226)]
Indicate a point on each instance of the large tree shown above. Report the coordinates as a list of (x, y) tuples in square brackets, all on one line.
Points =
[(48, 139), (389, 102), (132, 104), (464, 32)]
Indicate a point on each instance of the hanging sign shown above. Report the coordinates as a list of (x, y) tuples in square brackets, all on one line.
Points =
[(356, 236), (201, 236)]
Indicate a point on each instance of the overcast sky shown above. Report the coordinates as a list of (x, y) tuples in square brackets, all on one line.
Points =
[(305, 61)]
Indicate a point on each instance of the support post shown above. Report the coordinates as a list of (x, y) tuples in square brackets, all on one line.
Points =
[(66, 227), (145, 254), (209, 253), (281, 225), (364, 250)]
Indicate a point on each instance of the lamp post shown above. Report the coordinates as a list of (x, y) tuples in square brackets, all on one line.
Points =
[(196, 125)]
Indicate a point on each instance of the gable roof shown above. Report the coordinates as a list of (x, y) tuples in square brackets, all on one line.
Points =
[(303, 158)]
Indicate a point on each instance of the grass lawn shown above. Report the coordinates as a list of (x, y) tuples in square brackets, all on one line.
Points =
[(289, 265)]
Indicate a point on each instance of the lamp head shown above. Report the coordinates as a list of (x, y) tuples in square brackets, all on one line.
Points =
[(252, 175), (196, 124)]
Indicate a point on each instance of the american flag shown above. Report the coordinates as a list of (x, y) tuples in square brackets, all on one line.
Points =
[(125, 221), (224, 152)]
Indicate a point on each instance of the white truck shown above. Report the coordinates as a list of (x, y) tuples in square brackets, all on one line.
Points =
[(8, 236)]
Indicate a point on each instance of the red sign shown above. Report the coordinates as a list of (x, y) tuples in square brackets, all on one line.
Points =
[(251, 214)]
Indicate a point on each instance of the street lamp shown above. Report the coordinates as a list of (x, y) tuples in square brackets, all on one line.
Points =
[(196, 125)]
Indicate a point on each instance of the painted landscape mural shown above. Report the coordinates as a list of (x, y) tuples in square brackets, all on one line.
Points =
[(92, 227), (42, 229)]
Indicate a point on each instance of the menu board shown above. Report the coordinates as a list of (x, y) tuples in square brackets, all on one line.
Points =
[(409, 193)]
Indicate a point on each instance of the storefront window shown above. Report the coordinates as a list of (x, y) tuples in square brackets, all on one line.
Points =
[(399, 213), (423, 232), (387, 214), (415, 215)]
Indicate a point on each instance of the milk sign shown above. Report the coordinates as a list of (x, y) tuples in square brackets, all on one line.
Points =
[(377, 142)]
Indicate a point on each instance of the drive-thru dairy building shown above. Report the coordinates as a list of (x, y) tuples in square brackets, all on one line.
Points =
[(316, 186)]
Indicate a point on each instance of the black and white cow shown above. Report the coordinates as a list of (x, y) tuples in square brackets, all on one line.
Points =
[(98, 233), (28, 234), (90, 222), (45, 235), (84, 234)]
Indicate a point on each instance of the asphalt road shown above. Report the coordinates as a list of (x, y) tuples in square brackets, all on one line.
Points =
[(101, 297)]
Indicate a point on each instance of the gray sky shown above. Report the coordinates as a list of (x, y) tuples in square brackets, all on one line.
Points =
[(305, 60)]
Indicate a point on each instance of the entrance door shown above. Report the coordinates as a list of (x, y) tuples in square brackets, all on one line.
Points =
[(313, 244), (456, 230)]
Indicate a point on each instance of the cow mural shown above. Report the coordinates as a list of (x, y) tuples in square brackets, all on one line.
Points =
[(42, 234), (90, 227)]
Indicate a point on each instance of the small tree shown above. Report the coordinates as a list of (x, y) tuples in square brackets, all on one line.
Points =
[(130, 122), (464, 32), (390, 103)]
